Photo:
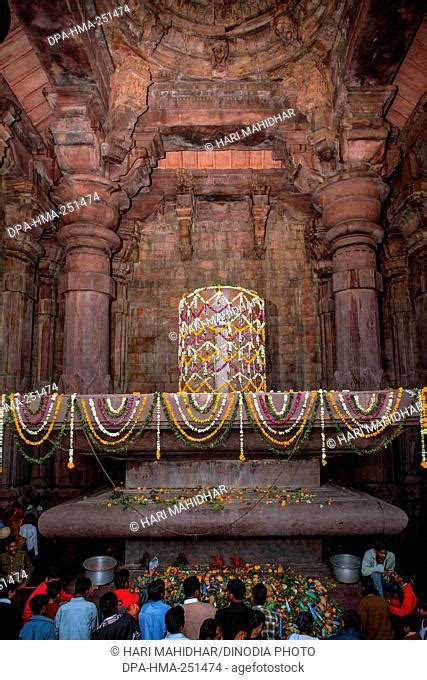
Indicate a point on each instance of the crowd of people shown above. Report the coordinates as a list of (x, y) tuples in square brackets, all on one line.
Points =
[(388, 609)]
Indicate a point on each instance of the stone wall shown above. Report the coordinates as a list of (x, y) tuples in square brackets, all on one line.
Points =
[(222, 239)]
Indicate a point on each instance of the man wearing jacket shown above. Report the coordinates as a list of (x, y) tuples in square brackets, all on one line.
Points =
[(378, 563), (406, 604)]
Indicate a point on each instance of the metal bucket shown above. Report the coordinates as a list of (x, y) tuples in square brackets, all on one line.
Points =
[(346, 568), (100, 569)]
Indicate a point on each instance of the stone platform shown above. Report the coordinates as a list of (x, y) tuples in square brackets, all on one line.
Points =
[(259, 530)]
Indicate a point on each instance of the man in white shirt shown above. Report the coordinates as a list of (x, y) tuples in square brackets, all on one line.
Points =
[(29, 532), (379, 564)]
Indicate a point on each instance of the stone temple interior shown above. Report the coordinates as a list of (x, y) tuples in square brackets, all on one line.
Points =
[(165, 112)]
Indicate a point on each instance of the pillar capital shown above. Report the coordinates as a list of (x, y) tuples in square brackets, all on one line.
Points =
[(351, 207)]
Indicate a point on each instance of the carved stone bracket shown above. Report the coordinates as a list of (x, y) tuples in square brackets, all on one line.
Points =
[(260, 208), (185, 211), (128, 101)]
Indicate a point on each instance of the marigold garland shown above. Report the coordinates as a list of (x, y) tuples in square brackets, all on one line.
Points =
[(50, 428), (422, 398), (349, 427), (359, 450), (200, 444), (208, 436), (318, 401), (272, 439), (55, 445), (119, 441)]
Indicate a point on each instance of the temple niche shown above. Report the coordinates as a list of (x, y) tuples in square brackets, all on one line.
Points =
[(272, 147)]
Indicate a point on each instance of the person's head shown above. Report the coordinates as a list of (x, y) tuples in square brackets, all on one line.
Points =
[(38, 605), (156, 590), (191, 587), (210, 630), (11, 546), (28, 518), (410, 624), (304, 622), (121, 578), (53, 590), (351, 619), (52, 575), (401, 580), (259, 594), (108, 604), (255, 624), (82, 587), (380, 551), (422, 610), (9, 590), (236, 590), (175, 619)]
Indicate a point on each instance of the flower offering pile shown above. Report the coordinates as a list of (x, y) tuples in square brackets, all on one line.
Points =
[(288, 591)]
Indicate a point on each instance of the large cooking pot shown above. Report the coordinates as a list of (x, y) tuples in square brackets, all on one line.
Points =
[(346, 568), (100, 569)]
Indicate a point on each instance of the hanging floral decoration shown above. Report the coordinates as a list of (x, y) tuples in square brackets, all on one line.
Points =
[(1, 431), (221, 340), (18, 431), (282, 421), (375, 427), (422, 404), (117, 445), (212, 434)]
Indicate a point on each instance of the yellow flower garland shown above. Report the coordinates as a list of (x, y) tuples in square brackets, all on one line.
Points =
[(372, 434), (272, 439), (43, 439), (117, 441), (208, 436), (195, 418)]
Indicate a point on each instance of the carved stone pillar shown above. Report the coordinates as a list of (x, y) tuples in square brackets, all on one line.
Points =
[(122, 270), (351, 198), (414, 228), (395, 268), (47, 311), (351, 212), (89, 241), (320, 257), (88, 237), (19, 294)]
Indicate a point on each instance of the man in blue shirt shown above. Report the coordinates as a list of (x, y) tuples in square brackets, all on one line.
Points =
[(76, 619), (152, 615), (39, 627)]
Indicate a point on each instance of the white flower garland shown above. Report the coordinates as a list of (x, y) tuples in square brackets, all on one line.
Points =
[(71, 449), (206, 406), (212, 422), (272, 430), (278, 413), (104, 429), (366, 411), (1, 431), (322, 427), (158, 427), (241, 432), (44, 423), (353, 419), (112, 409)]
